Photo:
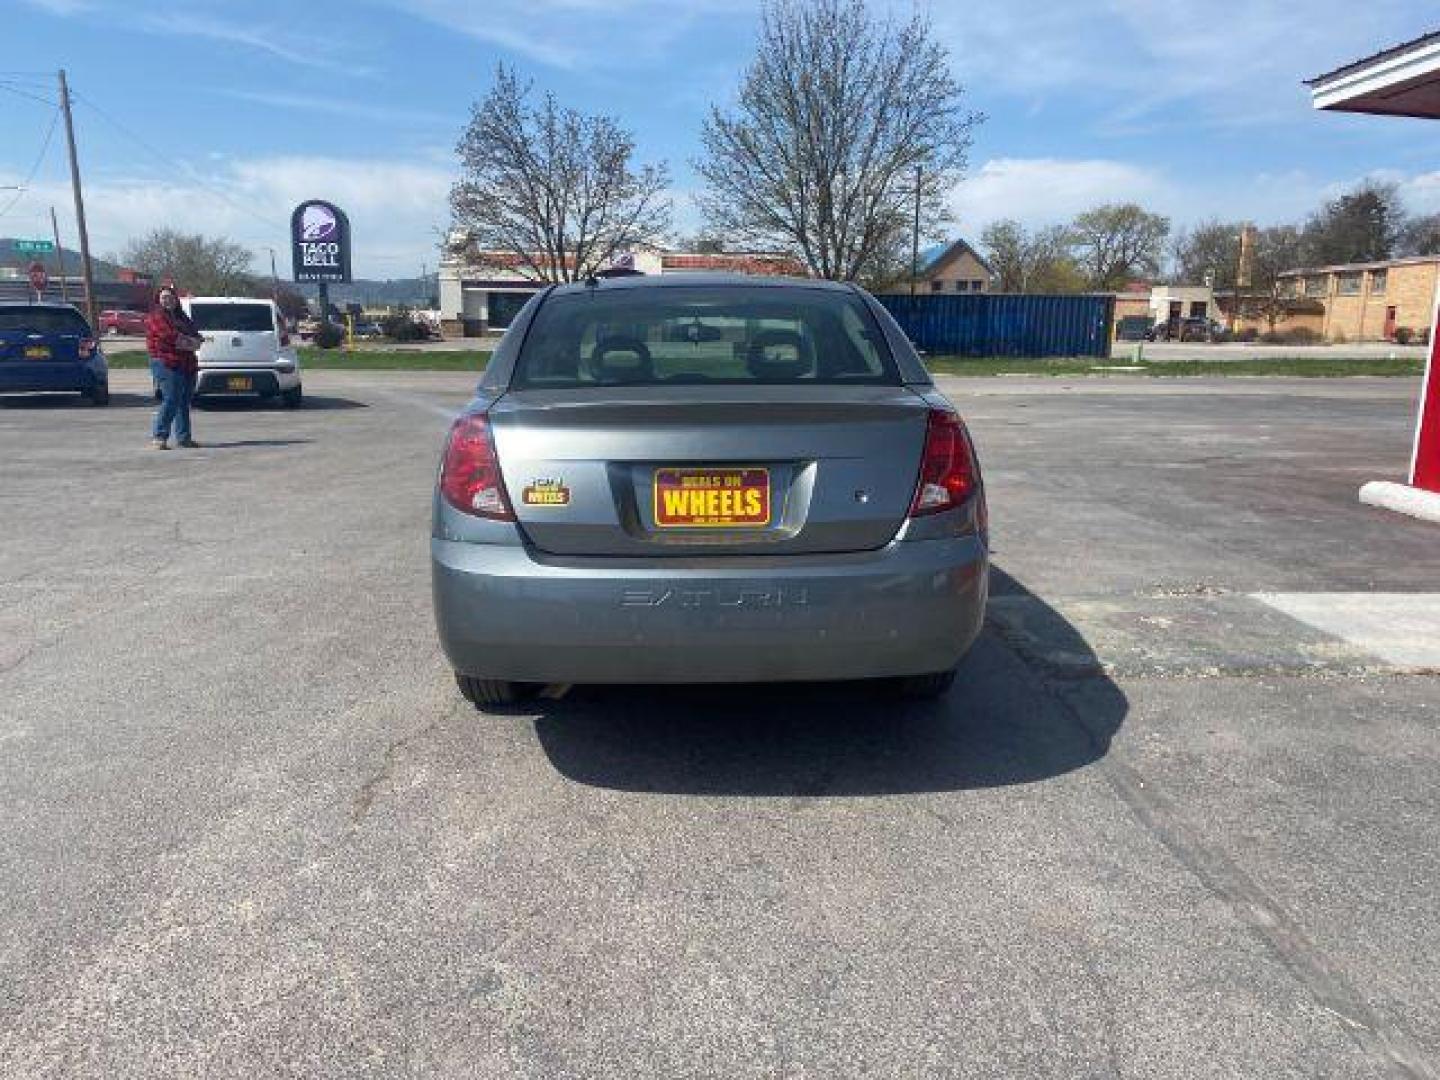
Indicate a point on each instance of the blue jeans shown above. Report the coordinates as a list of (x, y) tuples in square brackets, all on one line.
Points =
[(176, 390)]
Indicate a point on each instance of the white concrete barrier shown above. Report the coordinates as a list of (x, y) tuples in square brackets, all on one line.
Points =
[(1403, 499)]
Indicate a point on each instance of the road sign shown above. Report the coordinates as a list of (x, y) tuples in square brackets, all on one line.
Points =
[(38, 277), (35, 247)]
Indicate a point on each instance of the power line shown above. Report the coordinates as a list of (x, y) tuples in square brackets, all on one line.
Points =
[(26, 94), (173, 164), (40, 158)]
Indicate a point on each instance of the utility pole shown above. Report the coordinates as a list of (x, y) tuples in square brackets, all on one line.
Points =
[(274, 278), (59, 257), (86, 276), (915, 237)]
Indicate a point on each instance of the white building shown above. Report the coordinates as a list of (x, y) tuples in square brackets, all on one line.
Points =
[(481, 291)]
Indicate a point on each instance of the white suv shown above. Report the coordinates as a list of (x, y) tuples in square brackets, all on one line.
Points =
[(247, 349)]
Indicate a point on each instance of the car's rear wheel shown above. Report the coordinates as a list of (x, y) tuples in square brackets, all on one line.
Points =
[(926, 687), (293, 399), (100, 395), (483, 692)]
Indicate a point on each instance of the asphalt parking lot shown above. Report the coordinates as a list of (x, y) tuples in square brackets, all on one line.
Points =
[(1178, 818)]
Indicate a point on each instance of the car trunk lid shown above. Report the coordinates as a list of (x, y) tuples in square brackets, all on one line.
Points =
[(682, 470)]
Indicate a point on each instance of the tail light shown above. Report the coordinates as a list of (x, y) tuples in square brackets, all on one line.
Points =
[(87, 348), (948, 475), (470, 477)]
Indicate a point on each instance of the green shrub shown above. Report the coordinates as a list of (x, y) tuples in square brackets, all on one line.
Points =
[(1296, 335), (1403, 334), (328, 336), (403, 326)]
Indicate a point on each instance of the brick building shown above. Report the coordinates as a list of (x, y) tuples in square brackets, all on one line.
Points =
[(1365, 301)]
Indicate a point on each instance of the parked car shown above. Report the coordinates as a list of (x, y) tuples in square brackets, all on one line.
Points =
[(727, 479), (48, 348), (123, 322), (1134, 328), (247, 349), (368, 331), (1190, 329)]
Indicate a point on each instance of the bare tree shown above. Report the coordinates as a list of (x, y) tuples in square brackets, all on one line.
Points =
[(819, 159), (1033, 262), (195, 263), (553, 188), (1118, 242), (1209, 252)]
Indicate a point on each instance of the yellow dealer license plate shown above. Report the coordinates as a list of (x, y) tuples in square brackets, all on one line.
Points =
[(37, 352), (712, 498), (239, 382)]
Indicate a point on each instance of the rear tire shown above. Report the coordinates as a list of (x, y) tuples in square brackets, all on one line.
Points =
[(100, 395), (485, 692), (293, 399), (925, 687)]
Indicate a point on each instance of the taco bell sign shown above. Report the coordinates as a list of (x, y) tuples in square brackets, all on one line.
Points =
[(320, 242)]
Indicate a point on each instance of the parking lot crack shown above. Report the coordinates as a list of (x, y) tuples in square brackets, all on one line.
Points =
[(1390, 1047), (370, 789)]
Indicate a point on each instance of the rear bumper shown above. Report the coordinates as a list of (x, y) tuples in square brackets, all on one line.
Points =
[(508, 612), (264, 381), (39, 377)]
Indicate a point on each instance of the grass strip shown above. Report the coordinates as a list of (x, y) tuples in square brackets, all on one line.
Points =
[(1313, 367), (359, 360), (1318, 367)]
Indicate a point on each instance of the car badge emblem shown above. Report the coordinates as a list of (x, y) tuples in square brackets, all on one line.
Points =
[(546, 491)]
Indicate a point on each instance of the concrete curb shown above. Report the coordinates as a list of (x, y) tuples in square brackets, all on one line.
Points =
[(1403, 499)]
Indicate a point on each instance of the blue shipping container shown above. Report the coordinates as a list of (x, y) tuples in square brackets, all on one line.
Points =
[(1005, 324)]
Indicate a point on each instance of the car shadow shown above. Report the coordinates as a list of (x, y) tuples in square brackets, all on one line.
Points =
[(1011, 718), (241, 444), (71, 401), (312, 403)]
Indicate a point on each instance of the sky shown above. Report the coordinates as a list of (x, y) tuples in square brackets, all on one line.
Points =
[(218, 117)]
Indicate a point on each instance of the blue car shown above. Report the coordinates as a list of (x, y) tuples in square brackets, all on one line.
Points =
[(49, 348)]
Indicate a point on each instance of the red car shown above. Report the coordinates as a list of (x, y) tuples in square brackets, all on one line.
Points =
[(122, 322)]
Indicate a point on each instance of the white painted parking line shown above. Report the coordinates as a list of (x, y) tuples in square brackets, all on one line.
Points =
[(1402, 629)]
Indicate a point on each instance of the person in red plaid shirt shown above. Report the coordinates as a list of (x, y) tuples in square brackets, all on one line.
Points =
[(171, 339)]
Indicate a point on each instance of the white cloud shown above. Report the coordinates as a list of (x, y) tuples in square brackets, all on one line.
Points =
[(1226, 63), (60, 7), (396, 208), (265, 38), (1048, 191), (572, 33), (360, 110), (1051, 191)]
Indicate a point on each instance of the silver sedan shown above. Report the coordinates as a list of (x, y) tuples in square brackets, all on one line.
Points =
[(707, 479)]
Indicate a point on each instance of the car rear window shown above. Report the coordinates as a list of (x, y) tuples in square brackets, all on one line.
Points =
[(702, 334), (43, 320), (234, 317)]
